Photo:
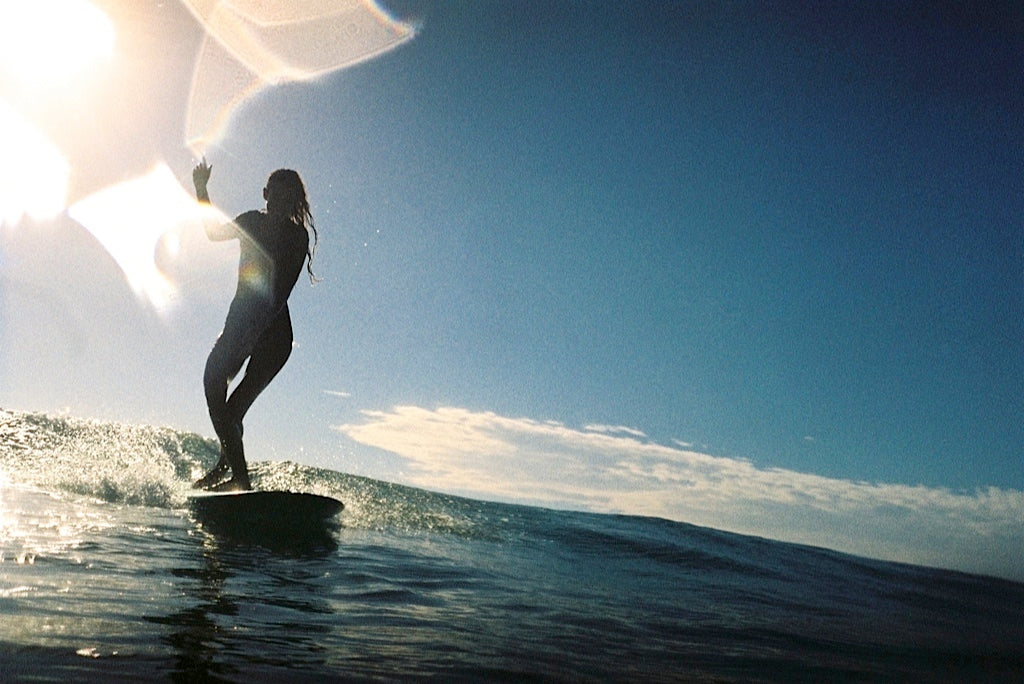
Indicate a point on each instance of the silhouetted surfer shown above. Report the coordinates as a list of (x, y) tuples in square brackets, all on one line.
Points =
[(274, 246)]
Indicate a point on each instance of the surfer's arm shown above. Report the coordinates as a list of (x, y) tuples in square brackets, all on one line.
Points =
[(215, 229), (200, 178)]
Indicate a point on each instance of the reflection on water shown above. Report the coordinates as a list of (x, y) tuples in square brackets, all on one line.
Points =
[(69, 575), (131, 589), (194, 635), (38, 525), (234, 588)]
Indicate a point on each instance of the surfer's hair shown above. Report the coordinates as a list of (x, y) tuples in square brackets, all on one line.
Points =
[(287, 195)]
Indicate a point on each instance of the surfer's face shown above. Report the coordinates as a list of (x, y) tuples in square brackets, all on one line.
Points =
[(286, 195), (279, 198)]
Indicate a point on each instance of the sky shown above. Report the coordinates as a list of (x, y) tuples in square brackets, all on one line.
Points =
[(758, 266)]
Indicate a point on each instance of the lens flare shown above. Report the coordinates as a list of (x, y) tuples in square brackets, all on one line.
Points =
[(250, 44), (134, 221)]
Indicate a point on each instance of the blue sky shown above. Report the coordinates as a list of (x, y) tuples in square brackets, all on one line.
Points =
[(786, 236)]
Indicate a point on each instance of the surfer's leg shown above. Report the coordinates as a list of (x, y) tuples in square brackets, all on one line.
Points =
[(222, 365), (268, 357)]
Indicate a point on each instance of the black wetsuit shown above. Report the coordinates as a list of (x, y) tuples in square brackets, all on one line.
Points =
[(258, 326)]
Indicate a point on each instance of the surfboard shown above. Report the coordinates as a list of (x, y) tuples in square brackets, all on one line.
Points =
[(273, 516)]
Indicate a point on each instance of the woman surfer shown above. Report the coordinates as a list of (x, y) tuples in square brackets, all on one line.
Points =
[(274, 245)]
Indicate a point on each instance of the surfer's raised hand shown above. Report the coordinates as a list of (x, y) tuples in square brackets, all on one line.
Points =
[(200, 177)]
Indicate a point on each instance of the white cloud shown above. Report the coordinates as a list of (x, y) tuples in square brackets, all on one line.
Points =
[(614, 429), (336, 393), (612, 469)]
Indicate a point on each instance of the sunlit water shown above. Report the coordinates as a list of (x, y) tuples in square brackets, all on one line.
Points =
[(105, 575)]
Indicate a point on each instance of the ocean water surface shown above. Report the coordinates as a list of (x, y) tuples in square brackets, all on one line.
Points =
[(106, 575)]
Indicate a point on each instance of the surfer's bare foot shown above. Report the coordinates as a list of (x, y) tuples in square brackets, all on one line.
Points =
[(216, 474), (235, 484)]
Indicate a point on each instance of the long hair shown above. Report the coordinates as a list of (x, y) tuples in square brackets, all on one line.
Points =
[(295, 205)]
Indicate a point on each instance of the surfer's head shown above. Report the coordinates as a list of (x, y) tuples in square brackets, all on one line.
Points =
[(286, 196)]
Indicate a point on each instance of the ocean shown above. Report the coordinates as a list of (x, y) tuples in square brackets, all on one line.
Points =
[(106, 576)]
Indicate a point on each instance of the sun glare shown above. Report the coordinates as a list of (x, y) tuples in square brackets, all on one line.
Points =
[(33, 173), (46, 44), (133, 219), (45, 47)]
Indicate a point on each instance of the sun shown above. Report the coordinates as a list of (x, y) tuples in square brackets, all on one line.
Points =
[(46, 45)]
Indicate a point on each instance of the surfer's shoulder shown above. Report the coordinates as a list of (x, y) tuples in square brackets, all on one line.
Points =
[(251, 218)]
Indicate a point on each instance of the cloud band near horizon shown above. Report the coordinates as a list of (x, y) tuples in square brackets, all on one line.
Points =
[(614, 469)]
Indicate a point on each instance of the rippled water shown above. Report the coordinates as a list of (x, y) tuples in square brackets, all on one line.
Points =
[(105, 574)]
